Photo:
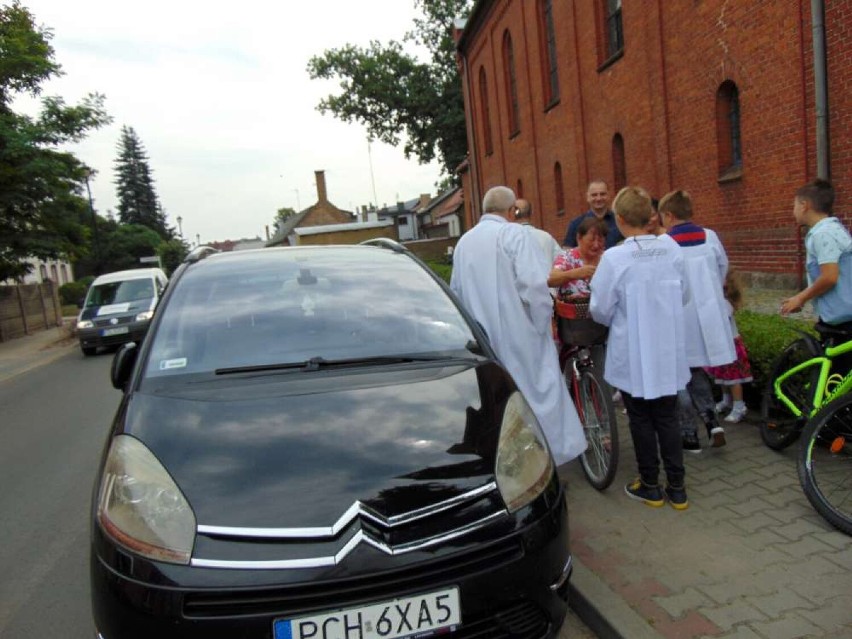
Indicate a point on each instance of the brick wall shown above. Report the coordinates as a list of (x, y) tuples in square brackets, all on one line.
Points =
[(349, 237), (660, 96)]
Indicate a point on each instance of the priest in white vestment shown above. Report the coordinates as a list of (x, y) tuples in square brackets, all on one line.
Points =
[(500, 275)]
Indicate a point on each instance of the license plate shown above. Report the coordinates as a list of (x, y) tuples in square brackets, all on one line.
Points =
[(118, 330), (418, 616)]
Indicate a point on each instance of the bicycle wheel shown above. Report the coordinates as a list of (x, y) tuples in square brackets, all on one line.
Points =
[(778, 426), (597, 414), (825, 463)]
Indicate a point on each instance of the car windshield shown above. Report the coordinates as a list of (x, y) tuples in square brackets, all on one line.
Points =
[(289, 306), (120, 292)]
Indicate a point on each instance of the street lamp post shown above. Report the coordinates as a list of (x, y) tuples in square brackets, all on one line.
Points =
[(180, 226)]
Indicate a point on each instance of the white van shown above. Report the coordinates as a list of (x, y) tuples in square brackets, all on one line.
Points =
[(118, 308)]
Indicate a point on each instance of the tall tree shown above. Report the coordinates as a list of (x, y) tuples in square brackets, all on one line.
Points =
[(172, 253), (137, 198), (282, 216), (391, 92), (41, 201)]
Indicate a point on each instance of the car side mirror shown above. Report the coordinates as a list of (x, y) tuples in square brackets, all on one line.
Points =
[(122, 365)]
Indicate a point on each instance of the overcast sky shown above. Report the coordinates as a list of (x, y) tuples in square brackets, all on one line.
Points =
[(218, 94)]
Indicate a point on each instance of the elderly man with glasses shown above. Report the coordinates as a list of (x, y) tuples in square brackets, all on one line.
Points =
[(500, 275)]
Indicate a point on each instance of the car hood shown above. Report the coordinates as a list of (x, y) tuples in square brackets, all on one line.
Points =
[(297, 450)]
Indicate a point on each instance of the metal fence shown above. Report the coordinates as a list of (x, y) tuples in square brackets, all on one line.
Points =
[(28, 308)]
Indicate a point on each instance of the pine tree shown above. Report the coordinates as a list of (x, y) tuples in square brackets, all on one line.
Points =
[(137, 198)]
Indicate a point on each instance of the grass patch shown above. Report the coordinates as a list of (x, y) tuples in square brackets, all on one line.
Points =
[(70, 310), (442, 270)]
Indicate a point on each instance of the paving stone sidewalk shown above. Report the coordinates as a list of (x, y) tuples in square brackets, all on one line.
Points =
[(749, 559)]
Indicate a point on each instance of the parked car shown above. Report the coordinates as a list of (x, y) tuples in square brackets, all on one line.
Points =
[(318, 442), (118, 308)]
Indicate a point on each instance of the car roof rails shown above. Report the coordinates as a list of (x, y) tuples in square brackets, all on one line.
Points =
[(199, 253), (386, 242)]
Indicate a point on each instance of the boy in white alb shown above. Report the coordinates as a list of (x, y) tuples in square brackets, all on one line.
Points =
[(709, 341), (638, 290)]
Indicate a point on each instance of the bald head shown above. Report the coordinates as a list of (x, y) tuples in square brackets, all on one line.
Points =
[(524, 210), (499, 200)]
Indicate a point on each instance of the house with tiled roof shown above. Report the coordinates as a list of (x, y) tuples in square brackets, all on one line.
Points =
[(321, 213)]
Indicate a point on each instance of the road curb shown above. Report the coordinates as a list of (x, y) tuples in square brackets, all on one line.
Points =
[(607, 614)]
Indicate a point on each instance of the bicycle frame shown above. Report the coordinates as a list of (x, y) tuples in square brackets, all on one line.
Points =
[(820, 396)]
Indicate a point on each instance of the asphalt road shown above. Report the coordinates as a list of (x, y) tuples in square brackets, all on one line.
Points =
[(53, 423)]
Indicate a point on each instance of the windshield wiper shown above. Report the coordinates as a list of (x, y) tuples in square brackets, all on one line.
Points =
[(317, 363)]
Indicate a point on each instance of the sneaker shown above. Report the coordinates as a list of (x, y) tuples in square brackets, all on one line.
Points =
[(691, 443), (616, 396), (736, 415), (650, 495), (717, 437), (722, 406), (677, 497)]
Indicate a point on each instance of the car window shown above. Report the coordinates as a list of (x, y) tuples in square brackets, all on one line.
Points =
[(291, 306), (120, 292)]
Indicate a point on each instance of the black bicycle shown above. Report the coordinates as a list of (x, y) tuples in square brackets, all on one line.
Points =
[(591, 394)]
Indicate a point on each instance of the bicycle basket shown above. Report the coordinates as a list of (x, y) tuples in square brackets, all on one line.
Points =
[(576, 326)]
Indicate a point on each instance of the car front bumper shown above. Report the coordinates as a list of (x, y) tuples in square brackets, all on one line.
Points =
[(94, 337), (510, 586)]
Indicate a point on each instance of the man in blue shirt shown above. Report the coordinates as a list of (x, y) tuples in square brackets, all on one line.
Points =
[(597, 195)]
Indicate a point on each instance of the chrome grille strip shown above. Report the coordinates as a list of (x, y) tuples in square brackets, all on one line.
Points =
[(351, 513), (357, 538)]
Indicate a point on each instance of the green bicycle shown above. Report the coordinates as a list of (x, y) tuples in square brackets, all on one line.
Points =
[(819, 406), (797, 386)]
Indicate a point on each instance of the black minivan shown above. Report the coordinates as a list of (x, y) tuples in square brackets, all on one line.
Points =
[(318, 442)]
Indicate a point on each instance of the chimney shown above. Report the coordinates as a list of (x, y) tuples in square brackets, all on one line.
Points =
[(322, 194), (425, 198)]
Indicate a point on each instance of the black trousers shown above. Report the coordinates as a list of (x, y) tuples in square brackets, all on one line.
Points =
[(655, 422)]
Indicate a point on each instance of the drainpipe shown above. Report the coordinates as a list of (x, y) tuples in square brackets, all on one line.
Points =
[(821, 89)]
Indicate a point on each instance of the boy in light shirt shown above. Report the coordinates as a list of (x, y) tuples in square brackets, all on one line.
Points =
[(639, 290)]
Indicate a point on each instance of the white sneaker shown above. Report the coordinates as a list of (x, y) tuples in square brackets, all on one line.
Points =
[(722, 406), (736, 415)]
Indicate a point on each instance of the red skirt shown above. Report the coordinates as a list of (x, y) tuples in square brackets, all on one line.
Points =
[(737, 372)]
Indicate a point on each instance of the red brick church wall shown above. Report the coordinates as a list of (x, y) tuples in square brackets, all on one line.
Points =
[(660, 96)]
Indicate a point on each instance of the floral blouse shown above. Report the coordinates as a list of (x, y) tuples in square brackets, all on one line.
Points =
[(567, 261)]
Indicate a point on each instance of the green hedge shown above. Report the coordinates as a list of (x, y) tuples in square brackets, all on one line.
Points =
[(765, 336), (73, 292)]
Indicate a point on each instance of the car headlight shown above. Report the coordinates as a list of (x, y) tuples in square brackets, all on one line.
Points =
[(145, 316), (524, 464), (85, 324), (141, 507)]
